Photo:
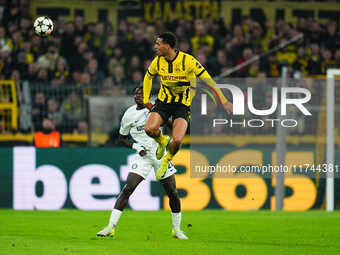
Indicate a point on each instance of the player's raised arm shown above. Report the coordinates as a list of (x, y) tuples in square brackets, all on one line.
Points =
[(147, 83), (201, 73)]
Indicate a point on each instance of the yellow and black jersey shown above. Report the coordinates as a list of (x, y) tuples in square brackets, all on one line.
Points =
[(177, 78)]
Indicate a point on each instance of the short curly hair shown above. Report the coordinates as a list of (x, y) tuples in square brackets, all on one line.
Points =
[(169, 38)]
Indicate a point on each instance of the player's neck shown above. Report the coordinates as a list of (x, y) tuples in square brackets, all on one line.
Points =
[(171, 55), (140, 107)]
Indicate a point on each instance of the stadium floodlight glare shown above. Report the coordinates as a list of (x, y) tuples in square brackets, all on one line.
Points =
[(331, 73)]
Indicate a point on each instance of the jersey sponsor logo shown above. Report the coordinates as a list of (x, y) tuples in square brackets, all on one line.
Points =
[(140, 128), (172, 78)]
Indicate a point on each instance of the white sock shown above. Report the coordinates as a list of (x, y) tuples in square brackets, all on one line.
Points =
[(115, 215), (176, 220)]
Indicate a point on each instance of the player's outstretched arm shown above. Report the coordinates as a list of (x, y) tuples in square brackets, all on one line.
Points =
[(208, 80), (123, 140), (198, 70)]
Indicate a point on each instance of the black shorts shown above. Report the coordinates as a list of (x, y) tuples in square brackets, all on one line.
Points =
[(174, 110)]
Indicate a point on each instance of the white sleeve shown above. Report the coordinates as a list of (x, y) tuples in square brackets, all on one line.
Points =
[(125, 125)]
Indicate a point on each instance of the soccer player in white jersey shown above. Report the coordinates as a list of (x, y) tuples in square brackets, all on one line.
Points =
[(133, 123)]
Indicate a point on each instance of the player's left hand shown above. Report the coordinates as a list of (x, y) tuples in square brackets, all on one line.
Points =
[(228, 106)]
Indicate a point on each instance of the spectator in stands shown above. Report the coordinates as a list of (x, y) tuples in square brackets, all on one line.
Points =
[(201, 37), (53, 112), (137, 79), (133, 65), (16, 42), (49, 59), (332, 39), (314, 62), (3, 38), (184, 45), (85, 85), (32, 72), (78, 62), (218, 64), (96, 76), (150, 34), (111, 44), (247, 54), (48, 137), (61, 73), (36, 46), (79, 26), (73, 111), (114, 84), (314, 34), (21, 62), (39, 110), (327, 61), (27, 49), (235, 44), (42, 77), (141, 47), (300, 64), (98, 40), (82, 128), (67, 47)]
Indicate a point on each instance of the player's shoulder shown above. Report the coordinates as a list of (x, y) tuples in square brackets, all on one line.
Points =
[(129, 112), (189, 60), (131, 109), (188, 57), (185, 54), (132, 112)]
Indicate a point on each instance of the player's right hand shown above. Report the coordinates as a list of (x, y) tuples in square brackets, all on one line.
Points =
[(142, 153), (139, 148)]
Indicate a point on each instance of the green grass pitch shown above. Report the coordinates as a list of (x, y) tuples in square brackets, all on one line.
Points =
[(139, 232)]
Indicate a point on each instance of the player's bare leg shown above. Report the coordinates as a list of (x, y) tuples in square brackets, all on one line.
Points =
[(179, 129), (152, 128), (131, 183), (169, 185), (153, 124)]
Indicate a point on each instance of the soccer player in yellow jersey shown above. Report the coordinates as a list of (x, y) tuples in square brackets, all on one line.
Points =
[(178, 72)]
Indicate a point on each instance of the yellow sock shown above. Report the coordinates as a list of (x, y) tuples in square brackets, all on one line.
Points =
[(160, 139), (168, 156)]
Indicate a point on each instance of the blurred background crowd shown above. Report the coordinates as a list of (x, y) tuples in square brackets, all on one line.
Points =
[(81, 58)]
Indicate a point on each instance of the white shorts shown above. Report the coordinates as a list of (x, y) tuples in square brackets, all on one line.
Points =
[(143, 166)]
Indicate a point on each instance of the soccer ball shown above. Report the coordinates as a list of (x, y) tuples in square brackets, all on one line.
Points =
[(43, 26)]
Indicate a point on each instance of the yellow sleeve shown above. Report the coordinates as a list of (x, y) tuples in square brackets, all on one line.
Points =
[(147, 83), (201, 73)]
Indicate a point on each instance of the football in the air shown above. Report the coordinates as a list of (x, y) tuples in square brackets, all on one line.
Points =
[(43, 26)]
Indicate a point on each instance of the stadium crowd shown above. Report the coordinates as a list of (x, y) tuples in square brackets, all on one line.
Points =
[(94, 58)]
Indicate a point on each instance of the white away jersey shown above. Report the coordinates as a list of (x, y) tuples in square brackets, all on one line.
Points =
[(133, 122)]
